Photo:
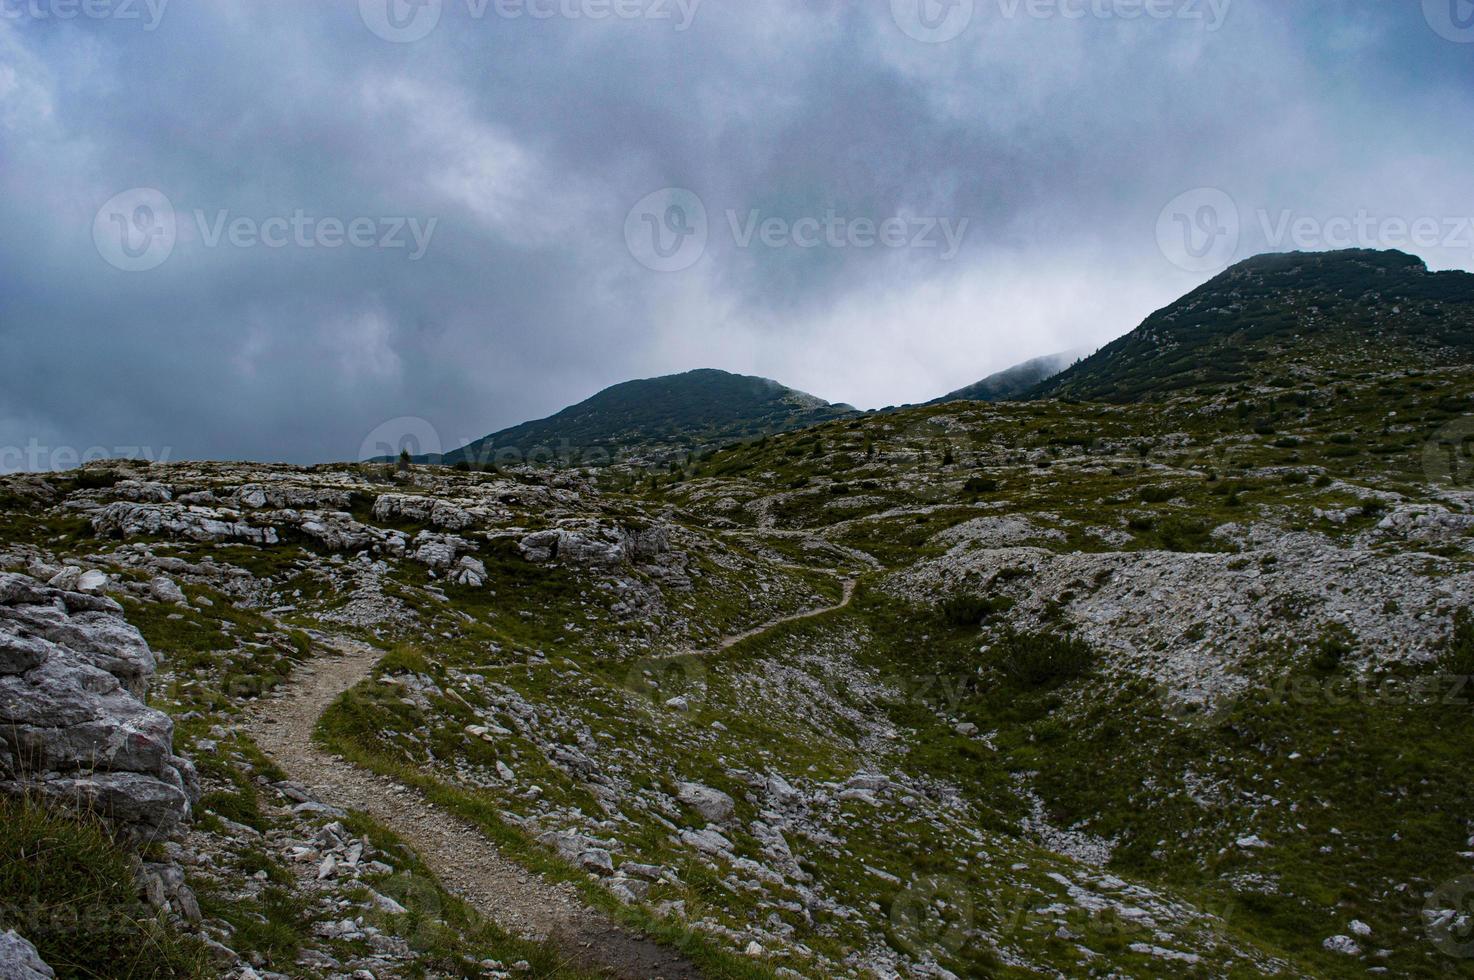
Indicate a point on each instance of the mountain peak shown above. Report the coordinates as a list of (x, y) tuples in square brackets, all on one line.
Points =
[(1357, 258), (1294, 314), (656, 419)]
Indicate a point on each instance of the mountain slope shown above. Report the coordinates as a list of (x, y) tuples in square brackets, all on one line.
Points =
[(655, 418), (1013, 382), (1275, 318)]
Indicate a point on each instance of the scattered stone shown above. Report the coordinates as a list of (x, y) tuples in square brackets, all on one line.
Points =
[(20, 961), (717, 807)]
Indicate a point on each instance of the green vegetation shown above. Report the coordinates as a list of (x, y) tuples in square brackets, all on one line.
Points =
[(1269, 315), (664, 417), (958, 743), (1041, 660), (353, 728), (69, 888)]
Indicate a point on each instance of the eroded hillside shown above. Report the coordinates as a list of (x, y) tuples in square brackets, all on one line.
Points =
[(969, 689)]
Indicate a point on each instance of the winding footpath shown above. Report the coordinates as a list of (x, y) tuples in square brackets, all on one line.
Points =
[(728, 642), (464, 861)]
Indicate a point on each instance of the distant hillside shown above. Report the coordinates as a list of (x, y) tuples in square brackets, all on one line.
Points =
[(656, 419), (1280, 317), (1013, 382)]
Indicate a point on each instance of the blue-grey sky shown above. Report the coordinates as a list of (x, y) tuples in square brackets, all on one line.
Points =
[(267, 228)]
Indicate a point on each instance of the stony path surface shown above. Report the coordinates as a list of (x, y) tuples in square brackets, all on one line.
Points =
[(730, 641), (461, 857)]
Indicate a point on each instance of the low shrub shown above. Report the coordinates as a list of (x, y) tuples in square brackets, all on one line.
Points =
[(68, 887), (967, 610), (1458, 652), (1043, 660)]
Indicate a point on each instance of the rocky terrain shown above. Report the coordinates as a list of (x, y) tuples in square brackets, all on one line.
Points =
[(1050, 688)]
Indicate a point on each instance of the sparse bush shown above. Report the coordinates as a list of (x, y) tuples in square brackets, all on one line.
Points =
[(1458, 653), (1332, 650), (1185, 534), (1043, 660), (1157, 495), (967, 610), (980, 484)]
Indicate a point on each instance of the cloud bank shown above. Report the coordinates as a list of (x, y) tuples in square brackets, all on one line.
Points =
[(260, 231)]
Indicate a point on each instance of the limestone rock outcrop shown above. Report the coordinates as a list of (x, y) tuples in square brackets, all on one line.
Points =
[(73, 725)]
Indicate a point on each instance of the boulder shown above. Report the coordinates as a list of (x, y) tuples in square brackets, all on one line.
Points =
[(91, 581), (142, 492), (97, 635), (73, 725), (446, 514), (592, 542), (258, 496), (20, 961), (716, 806), (597, 860), (438, 551), (469, 572), (334, 531), (203, 524), (164, 589)]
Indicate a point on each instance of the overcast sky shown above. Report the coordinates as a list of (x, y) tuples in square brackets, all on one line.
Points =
[(267, 229)]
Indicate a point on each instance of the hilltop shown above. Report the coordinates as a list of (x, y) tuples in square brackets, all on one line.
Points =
[(655, 419), (1285, 317)]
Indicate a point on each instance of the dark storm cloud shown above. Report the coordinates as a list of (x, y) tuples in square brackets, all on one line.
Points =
[(886, 218)]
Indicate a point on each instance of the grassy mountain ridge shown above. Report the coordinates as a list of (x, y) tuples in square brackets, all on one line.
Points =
[(656, 418), (1283, 316), (1275, 319)]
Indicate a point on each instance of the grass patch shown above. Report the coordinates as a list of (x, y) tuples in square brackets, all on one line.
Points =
[(352, 730), (68, 887)]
